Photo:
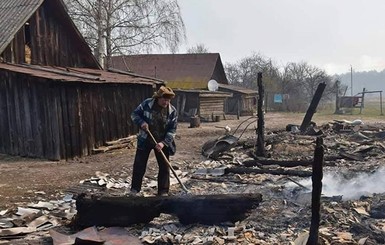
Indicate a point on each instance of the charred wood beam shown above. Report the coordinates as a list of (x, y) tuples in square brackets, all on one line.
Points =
[(125, 211), (316, 193), (351, 156), (260, 151), (312, 107), (288, 163), (221, 180), (366, 230), (282, 163), (246, 170)]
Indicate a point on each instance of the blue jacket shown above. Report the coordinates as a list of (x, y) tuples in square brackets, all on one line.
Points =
[(143, 114)]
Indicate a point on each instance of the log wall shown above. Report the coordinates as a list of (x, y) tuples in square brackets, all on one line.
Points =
[(211, 106), (243, 105), (60, 120)]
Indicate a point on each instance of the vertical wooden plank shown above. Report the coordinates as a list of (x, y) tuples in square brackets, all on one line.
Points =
[(4, 127), (36, 119), (90, 121), (62, 149), (66, 123), (13, 150), (74, 118), (18, 116), (109, 126), (83, 130), (43, 37), (96, 115), (53, 107), (104, 115), (39, 47), (118, 111), (41, 94), (121, 100), (48, 121), (113, 114), (27, 122)]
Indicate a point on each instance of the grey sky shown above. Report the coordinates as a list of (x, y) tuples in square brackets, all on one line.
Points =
[(329, 34)]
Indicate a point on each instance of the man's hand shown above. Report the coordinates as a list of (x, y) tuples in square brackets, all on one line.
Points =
[(144, 126), (159, 146)]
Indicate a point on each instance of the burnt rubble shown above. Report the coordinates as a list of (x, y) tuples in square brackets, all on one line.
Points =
[(352, 209)]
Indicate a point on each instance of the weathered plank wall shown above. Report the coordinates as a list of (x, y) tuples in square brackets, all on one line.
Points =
[(55, 120), (243, 105), (52, 41), (211, 106), (185, 103)]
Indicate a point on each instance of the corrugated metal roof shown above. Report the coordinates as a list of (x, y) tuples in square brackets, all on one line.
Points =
[(13, 15), (237, 89), (187, 68), (85, 75)]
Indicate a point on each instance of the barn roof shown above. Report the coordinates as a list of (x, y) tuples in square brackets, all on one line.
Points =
[(15, 13), (204, 93), (84, 75), (233, 88), (183, 68)]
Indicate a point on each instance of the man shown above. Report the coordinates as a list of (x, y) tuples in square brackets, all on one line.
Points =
[(158, 116)]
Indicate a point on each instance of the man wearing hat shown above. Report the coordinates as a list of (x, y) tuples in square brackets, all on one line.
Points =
[(158, 116)]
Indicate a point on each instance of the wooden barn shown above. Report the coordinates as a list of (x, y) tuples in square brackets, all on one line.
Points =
[(58, 113), (55, 100), (41, 32), (242, 103)]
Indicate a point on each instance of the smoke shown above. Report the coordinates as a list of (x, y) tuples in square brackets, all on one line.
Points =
[(334, 184)]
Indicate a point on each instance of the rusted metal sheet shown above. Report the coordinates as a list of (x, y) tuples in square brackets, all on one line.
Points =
[(83, 75)]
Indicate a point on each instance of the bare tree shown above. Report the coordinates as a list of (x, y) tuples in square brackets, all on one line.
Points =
[(128, 26), (297, 82), (198, 49), (245, 72), (300, 81)]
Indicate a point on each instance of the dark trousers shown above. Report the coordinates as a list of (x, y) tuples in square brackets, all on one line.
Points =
[(140, 165)]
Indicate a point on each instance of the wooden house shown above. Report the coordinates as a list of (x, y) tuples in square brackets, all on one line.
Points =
[(55, 100), (189, 75), (181, 71)]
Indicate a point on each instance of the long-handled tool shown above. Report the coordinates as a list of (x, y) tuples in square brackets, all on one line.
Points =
[(168, 163)]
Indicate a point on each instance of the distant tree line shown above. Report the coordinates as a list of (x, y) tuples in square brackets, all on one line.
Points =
[(295, 82)]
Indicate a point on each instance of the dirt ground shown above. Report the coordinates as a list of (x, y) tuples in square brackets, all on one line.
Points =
[(25, 180)]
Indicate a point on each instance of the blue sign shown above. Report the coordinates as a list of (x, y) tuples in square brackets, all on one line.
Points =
[(277, 98)]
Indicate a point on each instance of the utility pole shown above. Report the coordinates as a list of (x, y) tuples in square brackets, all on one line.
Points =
[(351, 80)]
